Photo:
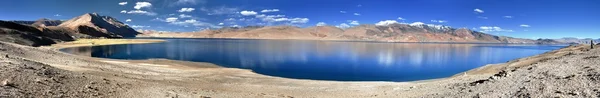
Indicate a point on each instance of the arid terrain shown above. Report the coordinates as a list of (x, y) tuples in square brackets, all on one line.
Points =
[(31, 68), (46, 72)]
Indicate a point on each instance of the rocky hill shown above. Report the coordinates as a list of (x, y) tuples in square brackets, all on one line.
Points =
[(46, 31), (99, 26), (32, 36)]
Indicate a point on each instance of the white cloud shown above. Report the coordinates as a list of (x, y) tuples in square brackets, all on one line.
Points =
[(171, 19), (508, 16), (57, 15), (186, 10), (343, 12), (220, 10), (299, 20), (269, 16), (248, 13), (482, 17), (269, 10), (281, 18), (321, 24), (400, 18), (123, 11), (386, 22), (343, 26), (139, 26), (122, 3), (354, 22), (479, 11), (439, 21), (140, 12), (190, 21), (139, 5), (128, 20), (187, 23), (244, 19), (493, 29), (416, 23), (357, 14), (359, 5), (524, 26), (188, 2), (230, 19), (221, 23), (184, 16), (237, 26)]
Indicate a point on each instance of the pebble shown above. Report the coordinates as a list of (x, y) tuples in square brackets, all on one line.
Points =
[(204, 97), (412, 87), (6, 82)]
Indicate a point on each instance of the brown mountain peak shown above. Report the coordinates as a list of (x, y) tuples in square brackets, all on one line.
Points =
[(96, 25)]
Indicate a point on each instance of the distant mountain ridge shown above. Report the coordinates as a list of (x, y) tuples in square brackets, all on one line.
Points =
[(365, 32), (40, 22), (46, 31), (576, 40), (397, 32)]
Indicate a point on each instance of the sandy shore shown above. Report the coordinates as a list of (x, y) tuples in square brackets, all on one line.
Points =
[(99, 42), (168, 78)]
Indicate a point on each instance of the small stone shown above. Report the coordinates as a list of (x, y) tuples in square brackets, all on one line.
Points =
[(38, 80), (573, 93), (412, 87), (204, 97), (6, 56), (5, 83)]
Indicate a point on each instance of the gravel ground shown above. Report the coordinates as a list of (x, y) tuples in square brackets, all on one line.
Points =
[(25, 78), (571, 72)]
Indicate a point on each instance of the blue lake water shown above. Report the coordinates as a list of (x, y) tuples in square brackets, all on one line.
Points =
[(326, 60)]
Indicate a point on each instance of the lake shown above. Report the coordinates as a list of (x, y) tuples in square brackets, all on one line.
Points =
[(326, 60)]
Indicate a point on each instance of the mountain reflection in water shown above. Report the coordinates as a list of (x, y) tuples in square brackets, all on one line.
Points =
[(326, 60)]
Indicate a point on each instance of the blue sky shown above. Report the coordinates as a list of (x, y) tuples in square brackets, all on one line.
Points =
[(516, 18)]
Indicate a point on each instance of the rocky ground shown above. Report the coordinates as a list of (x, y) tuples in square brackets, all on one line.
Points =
[(45, 72), (571, 72), (21, 77)]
